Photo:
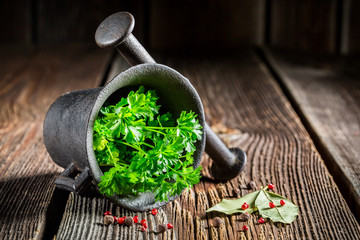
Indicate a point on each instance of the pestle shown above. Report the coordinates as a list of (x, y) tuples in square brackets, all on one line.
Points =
[(116, 32)]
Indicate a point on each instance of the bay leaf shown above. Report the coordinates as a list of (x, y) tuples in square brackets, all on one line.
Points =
[(283, 214), (234, 206)]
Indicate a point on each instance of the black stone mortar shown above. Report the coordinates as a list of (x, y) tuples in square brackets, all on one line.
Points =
[(68, 125)]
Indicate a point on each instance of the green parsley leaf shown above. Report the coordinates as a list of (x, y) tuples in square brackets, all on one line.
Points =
[(141, 150)]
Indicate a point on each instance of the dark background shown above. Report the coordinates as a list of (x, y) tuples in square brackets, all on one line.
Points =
[(324, 26)]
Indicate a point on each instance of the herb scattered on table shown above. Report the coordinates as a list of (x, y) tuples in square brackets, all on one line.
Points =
[(162, 228), (129, 221), (144, 225), (236, 192), (269, 205), (244, 216), (107, 213), (143, 150), (217, 222), (154, 211), (108, 219), (251, 185), (244, 206), (261, 221), (170, 226), (121, 220)]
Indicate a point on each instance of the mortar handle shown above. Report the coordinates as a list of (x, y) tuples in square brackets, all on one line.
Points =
[(66, 182), (115, 31)]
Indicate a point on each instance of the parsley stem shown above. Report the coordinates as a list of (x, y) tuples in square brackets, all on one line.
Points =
[(152, 130), (106, 165), (146, 144), (111, 165), (181, 127), (131, 145), (112, 157), (177, 172)]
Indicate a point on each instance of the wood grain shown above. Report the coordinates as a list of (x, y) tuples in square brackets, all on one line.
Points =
[(350, 34), (29, 83), (326, 90), (15, 21), (303, 25), (72, 21), (206, 24), (244, 104)]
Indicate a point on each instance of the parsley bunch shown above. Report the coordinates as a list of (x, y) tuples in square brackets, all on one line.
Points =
[(143, 150)]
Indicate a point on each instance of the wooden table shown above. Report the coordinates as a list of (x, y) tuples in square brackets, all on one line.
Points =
[(296, 117)]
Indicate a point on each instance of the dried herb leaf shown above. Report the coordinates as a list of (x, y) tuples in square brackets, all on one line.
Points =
[(259, 201), (234, 206), (283, 214)]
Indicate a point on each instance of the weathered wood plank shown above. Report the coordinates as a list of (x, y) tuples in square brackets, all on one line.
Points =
[(206, 24), (326, 90), (29, 84), (303, 25), (77, 21), (350, 33), (240, 94), (15, 21), (69, 21)]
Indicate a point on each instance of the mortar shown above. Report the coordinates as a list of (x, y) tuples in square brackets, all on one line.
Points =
[(68, 125)]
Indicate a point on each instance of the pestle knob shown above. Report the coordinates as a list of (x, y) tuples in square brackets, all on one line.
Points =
[(228, 163), (115, 31)]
